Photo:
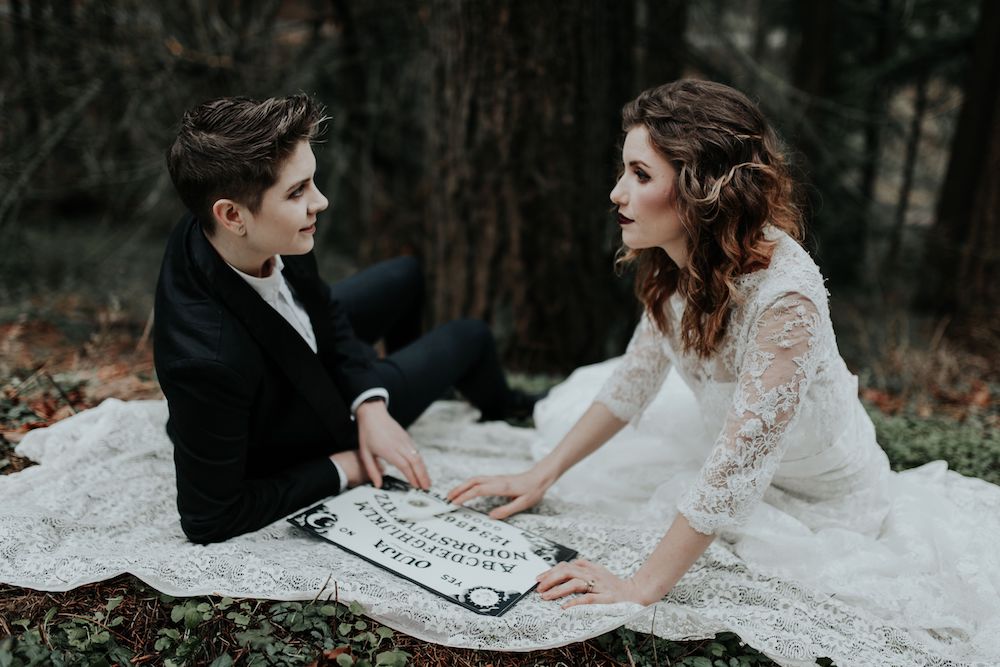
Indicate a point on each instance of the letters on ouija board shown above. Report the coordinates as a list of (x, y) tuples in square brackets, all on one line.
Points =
[(483, 564)]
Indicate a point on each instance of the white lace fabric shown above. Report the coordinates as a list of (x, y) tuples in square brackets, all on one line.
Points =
[(823, 551), (639, 374), (777, 369), (102, 502)]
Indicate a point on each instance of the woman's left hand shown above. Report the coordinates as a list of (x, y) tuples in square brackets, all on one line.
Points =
[(595, 582)]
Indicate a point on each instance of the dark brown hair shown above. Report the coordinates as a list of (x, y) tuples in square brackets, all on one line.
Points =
[(732, 180), (234, 148)]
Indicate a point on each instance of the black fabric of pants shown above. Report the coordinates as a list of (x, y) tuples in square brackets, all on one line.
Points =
[(385, 301)]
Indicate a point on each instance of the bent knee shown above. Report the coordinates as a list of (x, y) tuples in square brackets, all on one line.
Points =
[(406, 273), (473, 330)]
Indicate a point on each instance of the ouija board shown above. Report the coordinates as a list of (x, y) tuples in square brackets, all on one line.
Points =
[(461, 554)]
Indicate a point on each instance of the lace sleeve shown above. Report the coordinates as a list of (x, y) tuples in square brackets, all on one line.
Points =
[(780, 362), (639, 375)]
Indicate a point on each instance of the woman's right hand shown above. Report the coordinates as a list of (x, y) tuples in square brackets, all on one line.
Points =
[(524, 490)]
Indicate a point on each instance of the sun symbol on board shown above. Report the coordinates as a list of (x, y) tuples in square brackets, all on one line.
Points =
[(483, 597)]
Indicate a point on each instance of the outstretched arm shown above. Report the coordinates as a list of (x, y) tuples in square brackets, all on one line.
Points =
[(593, 429), (625, 394)]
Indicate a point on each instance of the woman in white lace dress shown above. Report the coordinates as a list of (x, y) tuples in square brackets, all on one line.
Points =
[(790, 474)]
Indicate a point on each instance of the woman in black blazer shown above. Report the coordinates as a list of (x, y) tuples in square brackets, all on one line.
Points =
[(275, 399)]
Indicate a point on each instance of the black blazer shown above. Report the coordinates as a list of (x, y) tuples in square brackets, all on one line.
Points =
[(254, 413)]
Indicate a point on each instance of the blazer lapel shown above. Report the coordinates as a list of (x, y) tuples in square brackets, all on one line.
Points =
[(274, 334)]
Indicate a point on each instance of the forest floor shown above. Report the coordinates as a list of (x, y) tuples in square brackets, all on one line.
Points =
[(69, 355)]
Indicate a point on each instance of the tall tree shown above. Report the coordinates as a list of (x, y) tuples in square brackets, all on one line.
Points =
[(523, 141), (963, 246), (820, 131), (660, 48)]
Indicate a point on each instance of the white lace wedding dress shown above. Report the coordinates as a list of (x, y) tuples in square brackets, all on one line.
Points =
[(767, 445), (824, 552)]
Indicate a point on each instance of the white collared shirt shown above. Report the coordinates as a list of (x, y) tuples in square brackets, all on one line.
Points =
[(274, 290)]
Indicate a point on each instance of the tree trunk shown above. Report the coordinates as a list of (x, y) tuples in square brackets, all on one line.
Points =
[(836, 222), (909, 168), (876, 102), (522, 150), (961, 279), (977, 296), (660, 48)]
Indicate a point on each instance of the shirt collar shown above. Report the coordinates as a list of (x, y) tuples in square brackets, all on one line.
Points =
[(268, 287)]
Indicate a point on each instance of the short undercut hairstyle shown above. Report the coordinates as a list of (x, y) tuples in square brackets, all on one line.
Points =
[(234, 148)]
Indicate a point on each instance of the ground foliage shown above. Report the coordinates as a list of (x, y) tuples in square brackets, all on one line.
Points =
[(54, 367)]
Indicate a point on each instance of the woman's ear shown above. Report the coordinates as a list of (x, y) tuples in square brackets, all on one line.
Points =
[(229, 216)]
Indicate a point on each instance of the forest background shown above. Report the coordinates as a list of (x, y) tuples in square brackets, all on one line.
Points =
[(483, 136)]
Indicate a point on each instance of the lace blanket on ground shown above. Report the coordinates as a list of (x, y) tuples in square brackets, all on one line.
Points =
[(101, 502)]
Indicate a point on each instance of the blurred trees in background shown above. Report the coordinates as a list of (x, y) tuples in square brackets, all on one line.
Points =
[(964, 242), (483, 136)]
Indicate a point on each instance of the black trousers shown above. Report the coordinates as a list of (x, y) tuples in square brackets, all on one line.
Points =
[(385, 301)]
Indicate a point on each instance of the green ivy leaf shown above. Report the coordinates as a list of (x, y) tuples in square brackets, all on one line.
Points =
[(225, 603), (384, 632), (356, 608), (361, 625), (224, 660), (177, 613), (6, 654), (120, 655), (239, 619), (394, 658), (328, 610), (113, 603), (345, 660), (257, 637), (192, 617)]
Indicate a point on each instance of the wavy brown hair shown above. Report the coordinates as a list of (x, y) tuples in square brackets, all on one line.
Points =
[(732, 180)]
